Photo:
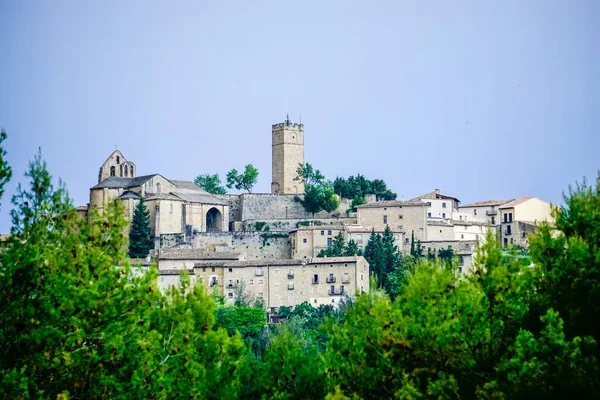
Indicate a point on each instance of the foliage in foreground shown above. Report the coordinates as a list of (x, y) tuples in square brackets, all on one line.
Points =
[(77, 321)]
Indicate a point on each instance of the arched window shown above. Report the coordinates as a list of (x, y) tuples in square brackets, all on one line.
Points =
[(131, 170), (158, 188), (125, 170), (112, 171), (118, 160)]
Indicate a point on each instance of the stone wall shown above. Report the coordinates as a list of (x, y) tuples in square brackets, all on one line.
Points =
[(254, 245), (262, 206)]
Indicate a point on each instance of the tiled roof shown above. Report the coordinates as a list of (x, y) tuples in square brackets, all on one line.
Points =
[(115, 182), (195, 254), (205, 198), (187, 185), (487, 203), (391, 203), (319, 228), (434, 195), (128, 194), (270, 263), (518, 201)]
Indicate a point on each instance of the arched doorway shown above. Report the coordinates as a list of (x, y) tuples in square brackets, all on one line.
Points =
[(214, 220)]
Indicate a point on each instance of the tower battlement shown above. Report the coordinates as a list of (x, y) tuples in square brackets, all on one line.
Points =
[(287, 153)]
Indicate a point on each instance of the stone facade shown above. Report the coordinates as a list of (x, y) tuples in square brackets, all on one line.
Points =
[(287, 154), (400, 216), (520, 217), (307, 241), (280, 282), (116, 165), (252, 245)]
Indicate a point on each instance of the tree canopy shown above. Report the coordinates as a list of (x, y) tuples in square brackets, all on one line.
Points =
[(318, 191), (210, 183), (359, 186), (245, 180)]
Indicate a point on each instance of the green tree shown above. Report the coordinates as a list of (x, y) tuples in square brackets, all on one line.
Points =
[(352, 249), (357, 201), (140, 234), (318, 192), (210, 183), (245, 181), (5, 170), (412, 245)]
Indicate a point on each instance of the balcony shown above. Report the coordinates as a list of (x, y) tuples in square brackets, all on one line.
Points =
[(507, 233), (259, 272), (213, 283), (315, 281), (291, 286), (290, 275), (330, 279), (337, 292), (491, 212), (346, 279)]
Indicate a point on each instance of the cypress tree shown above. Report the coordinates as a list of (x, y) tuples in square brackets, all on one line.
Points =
[(412, 244), (140, 236)]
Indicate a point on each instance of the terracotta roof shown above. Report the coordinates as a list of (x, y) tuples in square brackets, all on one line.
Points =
[(434, 195), (195, 254), (487, 203), (520, 200), (318, 228), (175, 271), (392, 203), (272, 263)]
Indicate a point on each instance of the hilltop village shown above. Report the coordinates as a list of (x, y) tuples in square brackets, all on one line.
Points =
[(269, 243)]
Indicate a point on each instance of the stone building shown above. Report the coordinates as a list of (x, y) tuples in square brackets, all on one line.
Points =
[(520, 217), (484, 211), (287, 153), (177, 208), (400, 216), (307, 241), (279, 282), (116, 165), (439, 206)]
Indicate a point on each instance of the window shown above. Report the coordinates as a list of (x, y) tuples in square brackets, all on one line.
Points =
[(290, 285), (361, 277), (131, 170), (476, 237), (322, 233), (276, 272), (407, 240), (230, 269), (466, 228), (329, 233), (162, 278), (251, 281), (443, 215), (158, 188), (230, 294), (259, 294), (125, 170), (229, 283), (493, 221), (511, 241), (428, 204), (509, 217), (475, 212), (260, 281), (505, 242), (385, 219), (341, 290), (170, 207), (118, 160), (112, 171), (213, 269), (400, 216), (304, 240), (505, 217), (460, 217), (329, 241), (428, 215), (523, 235), (203, 269), (462, 236), (332, 289), (443, 205), (316, 278)]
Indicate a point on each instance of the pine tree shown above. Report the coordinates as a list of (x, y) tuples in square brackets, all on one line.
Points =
[(351, 249), (339, 243), (375, 257), (140, 236)]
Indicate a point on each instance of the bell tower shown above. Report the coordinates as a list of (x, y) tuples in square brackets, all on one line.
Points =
[(287, 153)]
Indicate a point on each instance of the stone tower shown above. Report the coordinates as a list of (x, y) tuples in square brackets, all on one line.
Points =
[(287, 153)]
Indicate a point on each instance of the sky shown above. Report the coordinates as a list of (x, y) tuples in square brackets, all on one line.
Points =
[(480, 99)]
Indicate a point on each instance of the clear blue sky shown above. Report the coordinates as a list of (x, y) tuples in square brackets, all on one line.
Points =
[(482, 99)]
